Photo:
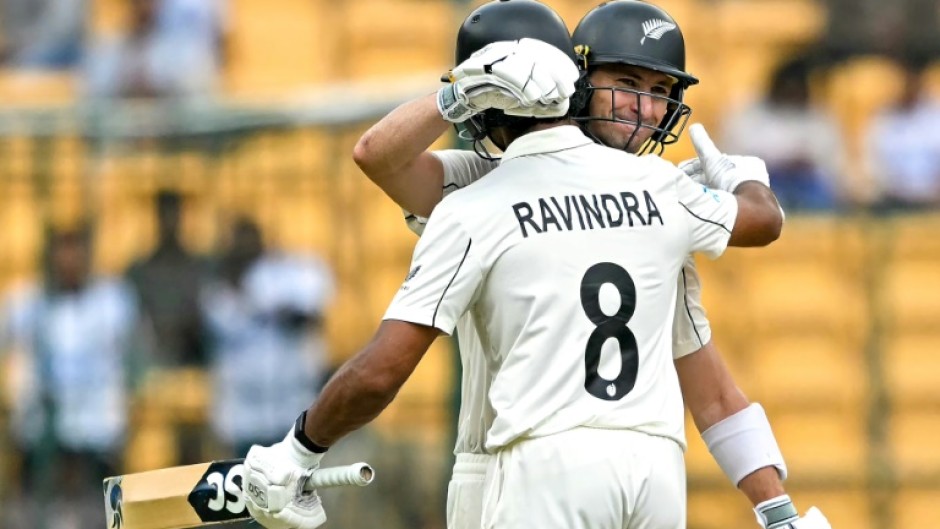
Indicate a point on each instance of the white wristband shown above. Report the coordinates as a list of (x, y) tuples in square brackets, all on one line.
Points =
[(743, 443)]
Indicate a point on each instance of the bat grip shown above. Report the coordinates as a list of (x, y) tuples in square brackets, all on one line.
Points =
[(359, 474)]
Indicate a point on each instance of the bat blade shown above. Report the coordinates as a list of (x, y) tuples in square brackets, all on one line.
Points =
[(196, 495)]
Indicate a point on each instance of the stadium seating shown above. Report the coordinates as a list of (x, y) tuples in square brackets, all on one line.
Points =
[(22, 237), (384, 37), (280, 45), (857, 89), (911, 362), (803, 324), (913, 435), (915, 506), (802, 370), (825, 447), (847, 507), (718, 508), (907, 294)]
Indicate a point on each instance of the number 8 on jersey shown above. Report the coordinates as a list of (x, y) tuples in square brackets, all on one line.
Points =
[(609, 327)]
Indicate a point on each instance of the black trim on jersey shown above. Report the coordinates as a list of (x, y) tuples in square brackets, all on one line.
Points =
[(410, 216), (449, 283), (452, 184), (685, 300), (720, 225)]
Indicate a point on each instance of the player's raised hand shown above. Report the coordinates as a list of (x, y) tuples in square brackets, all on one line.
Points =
[(717, 170), (547, 77), (527, 77), (274, 486), (779, 513)]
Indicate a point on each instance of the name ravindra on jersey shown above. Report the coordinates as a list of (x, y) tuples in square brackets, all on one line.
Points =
[(587, 211)]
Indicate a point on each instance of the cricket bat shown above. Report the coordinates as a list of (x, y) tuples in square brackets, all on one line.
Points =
[(198, 495)]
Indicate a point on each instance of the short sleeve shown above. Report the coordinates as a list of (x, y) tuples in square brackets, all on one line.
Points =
[(691, 330), (712, 214), (444, 278), (461, 168)]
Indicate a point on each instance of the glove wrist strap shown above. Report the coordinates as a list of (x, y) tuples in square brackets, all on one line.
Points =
[(776, 513), (450, 107), (302, 438)]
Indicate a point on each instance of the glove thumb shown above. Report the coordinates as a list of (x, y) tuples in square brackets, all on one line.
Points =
[(704, 146)]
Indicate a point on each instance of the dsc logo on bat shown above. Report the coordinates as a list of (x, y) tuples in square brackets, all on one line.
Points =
[(218, 495)]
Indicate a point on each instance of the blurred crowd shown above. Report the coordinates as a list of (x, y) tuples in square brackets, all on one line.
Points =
[(165, 48), (84, 344), (806, 152), (176, 49), (83, 350)]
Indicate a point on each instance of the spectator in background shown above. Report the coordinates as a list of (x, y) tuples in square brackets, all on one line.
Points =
[(903, 146), (69, 417), (264, 312), (167, 283), (43, 34), (800, 142), (154, 58), (201, 24)]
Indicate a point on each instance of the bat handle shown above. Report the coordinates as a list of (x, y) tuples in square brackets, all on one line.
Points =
[(359, 474)]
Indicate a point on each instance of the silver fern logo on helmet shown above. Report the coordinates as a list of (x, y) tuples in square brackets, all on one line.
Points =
[(655, 28)]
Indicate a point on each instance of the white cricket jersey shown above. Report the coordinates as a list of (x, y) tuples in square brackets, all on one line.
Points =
[(691, 330), (566, 258), (462, 168)]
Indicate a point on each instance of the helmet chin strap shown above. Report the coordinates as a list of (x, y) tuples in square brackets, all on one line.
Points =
[(474, 131)]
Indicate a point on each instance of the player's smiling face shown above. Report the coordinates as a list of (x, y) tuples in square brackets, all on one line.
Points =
[(631, 102)]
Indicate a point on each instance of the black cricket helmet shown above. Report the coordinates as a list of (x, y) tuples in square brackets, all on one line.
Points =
[(500, 20), (635, 33)]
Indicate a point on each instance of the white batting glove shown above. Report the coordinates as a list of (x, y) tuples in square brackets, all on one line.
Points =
[(779, 513), (274, 486), (716, 170), (527, 77), (549, 82)]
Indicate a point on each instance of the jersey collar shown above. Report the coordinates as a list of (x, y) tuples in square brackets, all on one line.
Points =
[(545, 141)]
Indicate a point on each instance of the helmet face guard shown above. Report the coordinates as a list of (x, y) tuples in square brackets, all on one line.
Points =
[(664, 133), (633, 33)]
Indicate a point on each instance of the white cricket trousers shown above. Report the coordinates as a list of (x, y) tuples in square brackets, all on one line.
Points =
[(465, 491), (584, 478)]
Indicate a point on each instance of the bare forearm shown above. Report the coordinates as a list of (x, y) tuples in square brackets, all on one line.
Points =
[(760, 219), (348, 402), (708, 389), (368, 382), (400, 136), (393, 154), (728, 424), (725, 403), (762, 485)]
